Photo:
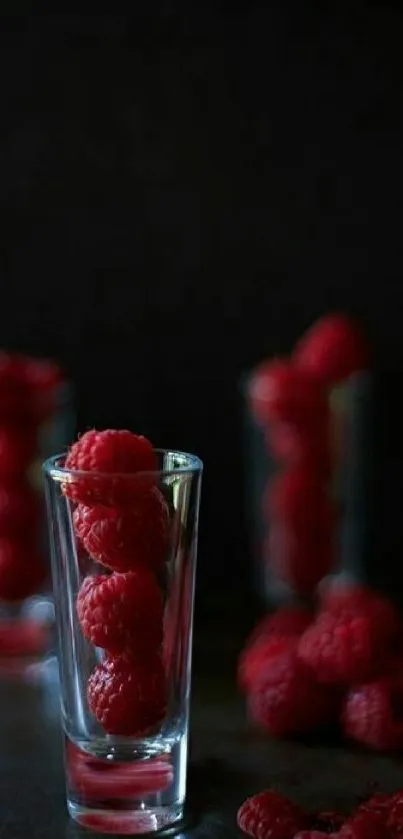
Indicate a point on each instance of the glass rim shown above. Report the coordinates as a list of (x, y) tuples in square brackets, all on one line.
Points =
[(192, 466)]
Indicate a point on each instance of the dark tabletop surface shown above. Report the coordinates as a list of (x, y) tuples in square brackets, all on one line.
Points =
[(228, 760)]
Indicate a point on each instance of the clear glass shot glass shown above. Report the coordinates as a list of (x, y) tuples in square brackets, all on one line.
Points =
[(125, 770)]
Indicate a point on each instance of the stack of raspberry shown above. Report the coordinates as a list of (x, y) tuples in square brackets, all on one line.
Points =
[(270, 815), (301, 671), (122, 520), (28, 390), (291, 400)]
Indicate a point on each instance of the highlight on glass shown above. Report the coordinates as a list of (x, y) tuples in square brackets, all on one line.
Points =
[(123, 545)]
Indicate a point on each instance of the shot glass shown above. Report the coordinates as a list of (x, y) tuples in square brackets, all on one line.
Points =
[(309, 492), (123, 578), (36, 419)]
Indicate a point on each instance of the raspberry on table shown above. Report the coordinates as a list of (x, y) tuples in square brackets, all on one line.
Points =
[(256, 658), (112, 460), (372, 714), (364, 825), (347, 642), (280, 393), (332, 350), (286, 699), (22, 570), (122, 612), (269, 815), (126, 696), (339, 596), (124, 538), (270, 636)]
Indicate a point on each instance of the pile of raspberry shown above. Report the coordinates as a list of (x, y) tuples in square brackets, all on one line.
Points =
[(270, 815), (121, 519), (292, 401), (28, 392), (343, 665)]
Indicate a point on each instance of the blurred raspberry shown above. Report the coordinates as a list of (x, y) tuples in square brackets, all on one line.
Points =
[(394, 820), (17, 451), (128, 697), (280, 393), (123, 539), (341, 650), (22, 571), (270, 636), (112, 461), (121, 612), (269, 815), (364, 825), (19, 510), (339, 596), (332, 350), (285, 699), (256, 657), (351, 641), (373, 714)]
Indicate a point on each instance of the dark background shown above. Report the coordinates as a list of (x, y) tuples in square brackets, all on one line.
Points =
[(182, 193)]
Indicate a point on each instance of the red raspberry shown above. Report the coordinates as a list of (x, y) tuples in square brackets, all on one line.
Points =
[(123, 539), (339, 597), (22, 572), (121, 611), (332, 350), (177, 618), (115, 458), (394, 820), (19, 510), (17, 451), (372, 714), (286, 699), (279, 393), (347, 643), (128, 697), (363, 825), (379, 804), (268, 637), (269, 815), (341, 650), (256, 657)]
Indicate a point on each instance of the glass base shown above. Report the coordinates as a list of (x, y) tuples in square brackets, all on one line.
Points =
[(110, 791), (126, 822)]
